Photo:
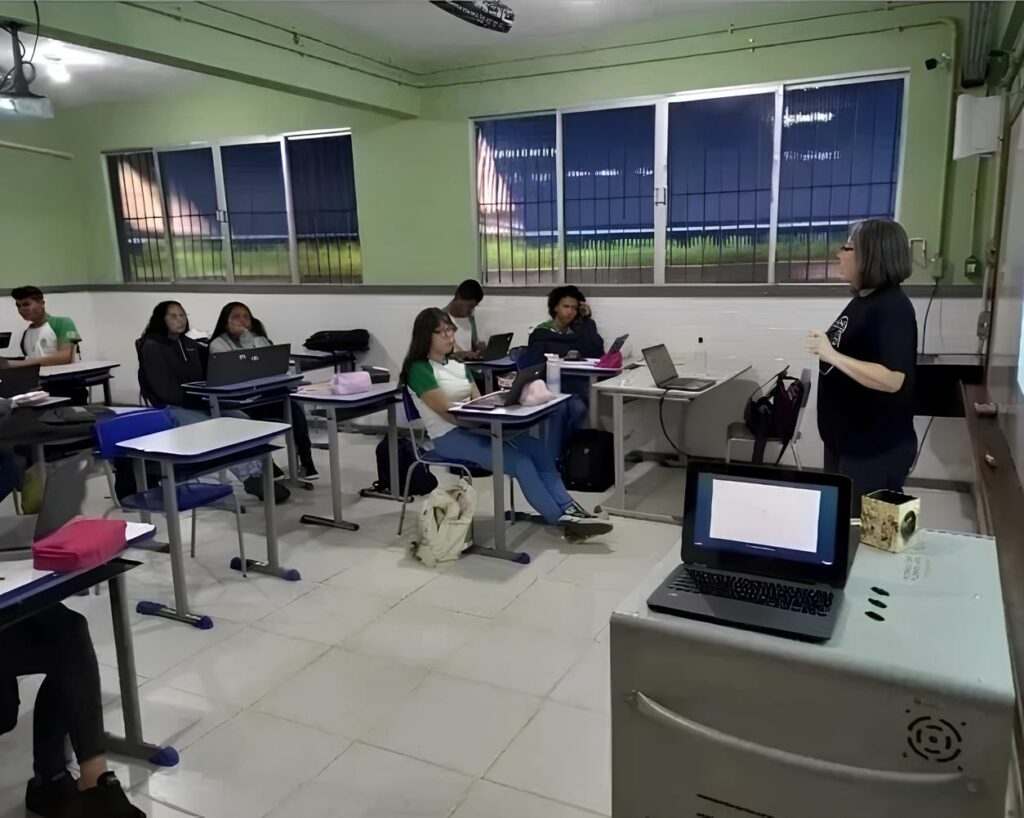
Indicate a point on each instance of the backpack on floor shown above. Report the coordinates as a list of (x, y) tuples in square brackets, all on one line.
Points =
[(772, 412), (589, 461), (423, 482)]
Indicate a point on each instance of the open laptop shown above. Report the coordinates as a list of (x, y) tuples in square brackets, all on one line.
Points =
[(763, 548), (63, 496), (240, 365), (18, 380), (663, 371), (618, 342), (510, 396), (497, 348)]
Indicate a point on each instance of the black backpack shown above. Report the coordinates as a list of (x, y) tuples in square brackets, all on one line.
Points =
[(589, 462), (772, 412), (423, 482), (339, 340)]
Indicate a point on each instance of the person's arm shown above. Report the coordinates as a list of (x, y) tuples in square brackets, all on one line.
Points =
[(591, 343), (867, 374), (159, 376), (220, 344), (438, 401)]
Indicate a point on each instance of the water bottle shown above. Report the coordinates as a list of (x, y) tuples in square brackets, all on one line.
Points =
[(554, 374), (700, 358)]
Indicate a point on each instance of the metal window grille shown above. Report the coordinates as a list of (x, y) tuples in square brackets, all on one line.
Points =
[(139, 222)]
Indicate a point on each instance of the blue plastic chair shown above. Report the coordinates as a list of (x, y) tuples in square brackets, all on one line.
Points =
[(428, 457), (191, 494)]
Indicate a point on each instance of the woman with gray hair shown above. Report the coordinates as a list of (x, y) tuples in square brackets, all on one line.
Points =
[(866, 364)]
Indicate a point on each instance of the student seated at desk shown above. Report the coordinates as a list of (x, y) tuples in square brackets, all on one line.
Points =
[(437, 382), (49, 340), (168, 358), (56, 643), (237, 329), (461, 309), (571, 327)]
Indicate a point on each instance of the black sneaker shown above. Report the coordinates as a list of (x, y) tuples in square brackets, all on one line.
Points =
[(307, 471), (581, 525), (254, 486), (50, 799), (107, 800)]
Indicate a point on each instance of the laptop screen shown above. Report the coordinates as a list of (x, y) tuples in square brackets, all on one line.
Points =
[(772, 521), (659, 362)]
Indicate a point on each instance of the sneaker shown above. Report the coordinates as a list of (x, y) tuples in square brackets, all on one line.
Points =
[(597, 514), (254, 486), (107, 800), (307, 471), (51, 798), (580, 525)]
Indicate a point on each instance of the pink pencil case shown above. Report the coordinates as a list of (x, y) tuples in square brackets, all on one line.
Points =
[(350, 383), (80, 544)]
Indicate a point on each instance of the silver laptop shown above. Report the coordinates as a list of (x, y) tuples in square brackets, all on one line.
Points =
[(63, 497), (763, 548), (663, 371)]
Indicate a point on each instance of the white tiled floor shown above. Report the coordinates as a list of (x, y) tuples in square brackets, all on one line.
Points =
[(376, 687)]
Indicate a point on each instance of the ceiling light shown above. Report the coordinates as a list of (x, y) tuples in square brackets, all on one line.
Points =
[(58, 72)]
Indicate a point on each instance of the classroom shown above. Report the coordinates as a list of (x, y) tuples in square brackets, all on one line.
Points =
[(731, 291)]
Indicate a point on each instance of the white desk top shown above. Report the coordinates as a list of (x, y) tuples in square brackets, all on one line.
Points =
[(206, 436), (76, 368), (321, 393), (517, 412), (638, 382)]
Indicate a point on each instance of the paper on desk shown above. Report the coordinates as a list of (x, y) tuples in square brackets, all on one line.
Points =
[(137, 531), (17, 573)]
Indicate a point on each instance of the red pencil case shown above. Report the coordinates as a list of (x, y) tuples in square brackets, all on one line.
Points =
[(79, 545)]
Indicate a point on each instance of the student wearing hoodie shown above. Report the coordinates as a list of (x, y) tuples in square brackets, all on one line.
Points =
[(168, 358)]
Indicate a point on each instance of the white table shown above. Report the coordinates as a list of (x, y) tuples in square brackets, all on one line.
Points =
[(81, 373), (379, 396), (217, 442), (496, 422), (636, 384)]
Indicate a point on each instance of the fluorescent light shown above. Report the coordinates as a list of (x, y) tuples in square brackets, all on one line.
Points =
[(58, 72)]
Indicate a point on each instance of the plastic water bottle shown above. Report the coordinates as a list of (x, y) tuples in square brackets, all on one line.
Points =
[(700, 358), (554, 374)]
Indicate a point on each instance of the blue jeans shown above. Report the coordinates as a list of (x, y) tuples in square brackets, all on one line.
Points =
[(564, 422), (186, 417), (12, 467), (526, 458)]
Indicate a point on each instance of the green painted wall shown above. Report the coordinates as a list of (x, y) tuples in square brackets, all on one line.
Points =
[(414, 176)]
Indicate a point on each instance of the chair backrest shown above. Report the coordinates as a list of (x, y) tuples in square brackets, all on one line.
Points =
[(112, 431), (409, 405), (805, 383)]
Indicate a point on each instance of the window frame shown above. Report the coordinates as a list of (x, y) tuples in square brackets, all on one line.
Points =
[(215, 145), (661, 104)]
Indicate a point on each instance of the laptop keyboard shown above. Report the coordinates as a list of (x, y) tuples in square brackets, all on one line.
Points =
[(812, 601)]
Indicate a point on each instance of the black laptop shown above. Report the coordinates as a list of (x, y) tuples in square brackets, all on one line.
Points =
[(510, 396), (763, 548), (18, 380), (63, 496), (240, 365), (663, 371), (497, 348)]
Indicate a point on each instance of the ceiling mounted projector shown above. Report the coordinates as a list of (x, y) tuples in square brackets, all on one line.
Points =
[(491, 14), (15, 94)]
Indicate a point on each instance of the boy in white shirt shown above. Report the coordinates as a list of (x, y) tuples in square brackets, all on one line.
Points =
[(49, 339)]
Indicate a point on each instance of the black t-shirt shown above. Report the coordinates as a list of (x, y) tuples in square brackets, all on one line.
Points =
[(879, 328)]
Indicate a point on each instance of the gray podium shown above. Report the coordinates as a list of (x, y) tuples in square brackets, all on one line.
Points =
[(907, 713)]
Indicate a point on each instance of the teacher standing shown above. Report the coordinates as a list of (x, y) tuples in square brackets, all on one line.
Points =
[(866, 364)]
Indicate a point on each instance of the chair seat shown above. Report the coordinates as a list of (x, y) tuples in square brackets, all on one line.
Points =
[(190, 495), (739, 431), (430, 456)]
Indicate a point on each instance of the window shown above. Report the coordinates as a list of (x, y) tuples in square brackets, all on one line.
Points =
[(753, 185), (517, 200), (282, 208)]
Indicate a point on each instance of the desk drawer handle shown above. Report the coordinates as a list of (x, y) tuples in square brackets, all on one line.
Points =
[(668, 718)]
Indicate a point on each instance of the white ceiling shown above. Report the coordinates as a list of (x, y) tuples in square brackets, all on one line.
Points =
[(72, 75), (417, 29)]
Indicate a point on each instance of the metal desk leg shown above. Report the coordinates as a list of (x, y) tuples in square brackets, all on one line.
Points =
[(289, 438), (488, 380), (222, 475), (499, 550), (141, 484), (619, 494), (180, 612), (337, 521), (272, 566), (131, 744), (41, 462), (107, 400), (396, 480), (594, 419)]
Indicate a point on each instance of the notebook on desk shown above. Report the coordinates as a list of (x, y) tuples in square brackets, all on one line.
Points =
[(762, 548), (241, 365)]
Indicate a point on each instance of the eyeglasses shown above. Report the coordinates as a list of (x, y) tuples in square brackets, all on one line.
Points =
[(846, 248), (450, 331)]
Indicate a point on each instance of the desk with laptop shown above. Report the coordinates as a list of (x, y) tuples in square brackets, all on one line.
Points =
[(788, 672)]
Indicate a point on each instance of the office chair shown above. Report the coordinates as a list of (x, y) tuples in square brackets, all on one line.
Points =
[(738, 432), (427, 458)]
